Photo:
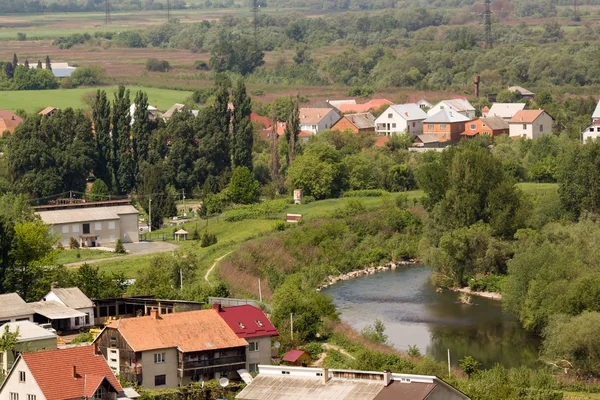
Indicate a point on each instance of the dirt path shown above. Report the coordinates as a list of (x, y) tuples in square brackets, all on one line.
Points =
[(135, 250), (215, 264), (328, 346)]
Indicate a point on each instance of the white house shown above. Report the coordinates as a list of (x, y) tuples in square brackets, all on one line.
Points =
[(504, 110), (530, 124), (13, 308), (596, 114), (424, 104), (399, 118), (591, 132), (317, 119), (462, 106), (76, 300)]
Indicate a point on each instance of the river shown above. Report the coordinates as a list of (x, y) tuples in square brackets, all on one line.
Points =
[(415, 314)]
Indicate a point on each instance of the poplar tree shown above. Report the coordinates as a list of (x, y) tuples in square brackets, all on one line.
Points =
[(141, 129), (26, 64), (15, 61), (220, 128), (101, 117), (274, 153), (292, 130), (48, 63), (123, 164), (243, 135), (39, 65)]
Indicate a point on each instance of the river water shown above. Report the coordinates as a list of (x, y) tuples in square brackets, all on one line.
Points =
[(415, 314)]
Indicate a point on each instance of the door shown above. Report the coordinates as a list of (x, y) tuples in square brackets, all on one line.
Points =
[(86, 229)]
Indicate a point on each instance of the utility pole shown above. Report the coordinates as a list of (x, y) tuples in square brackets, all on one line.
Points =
[(449, 371), (150, 215), (168, 10), (255, 8), (259, 291), (183, 198), (576, 16), (292, 325), (107, 19), (488, 25)]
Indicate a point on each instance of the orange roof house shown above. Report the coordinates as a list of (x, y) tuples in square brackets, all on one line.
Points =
[(175, 349), (9, 121), (491, 126), (530, 124), (75, 373), (364, 122), (317, 119), (370, 105)]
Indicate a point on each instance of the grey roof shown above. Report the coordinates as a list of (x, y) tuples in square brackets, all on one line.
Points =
[(73, 215), (337, 103), (53, 310), (522, 90), (72, 297), (410, 112), (596, 114), (362, 120), (446, 116), (12, 305), (28, 331), (505, 110), (428, 138), (175, 108), (495, 123), (63, 72), (459, 104)]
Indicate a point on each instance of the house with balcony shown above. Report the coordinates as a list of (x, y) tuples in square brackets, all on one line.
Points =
[(250, 323), (401, 118), (169, 350), (74, 373)]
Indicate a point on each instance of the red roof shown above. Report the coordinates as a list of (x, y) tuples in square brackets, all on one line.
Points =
[(293, 355), (247, 321), (53, 372), (365, 107), (259, 119), (525, 116)]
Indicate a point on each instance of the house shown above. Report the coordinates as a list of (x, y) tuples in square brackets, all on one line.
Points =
[(591, 132), (504, 110), (169, 350), (13, 308), (338, 103), (60, 70), (62, 318), (76, 300), (74, 373), (596, 114), (93, 226), (447, 124), (491, 126), (522, 92), (32, 337), (427, 141), (370, 105), (9, 122), (283, 382), (264, 122), (461, 106), (298, 358), (175, 109), (364, 122), (530, 124), (128, 307), (424, 104), (250, 323), (317, 119), (153, 113), (400, 118), (48, 111), (326, 104)]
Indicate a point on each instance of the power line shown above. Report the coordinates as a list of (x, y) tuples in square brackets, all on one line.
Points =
[(107, 19), (168, 10), (488, 25), (255, 9)]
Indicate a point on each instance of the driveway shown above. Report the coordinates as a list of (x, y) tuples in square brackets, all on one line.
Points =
[(133, 250)]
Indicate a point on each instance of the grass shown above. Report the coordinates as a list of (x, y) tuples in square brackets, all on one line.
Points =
[(70, 256), (581, 396), (35, 100), (529, 187)]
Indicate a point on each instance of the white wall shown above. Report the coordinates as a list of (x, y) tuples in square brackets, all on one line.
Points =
[(516, 130), (541, 126), (76, 323), (326, 123), (397, 125), (108, 233), (150, 369), (12, 384)]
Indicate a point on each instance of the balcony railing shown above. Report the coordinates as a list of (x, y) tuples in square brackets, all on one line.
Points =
[(131, 374), (213, 362)]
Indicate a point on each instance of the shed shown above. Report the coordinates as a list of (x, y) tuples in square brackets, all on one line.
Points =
[(297, 358), (181, 234)]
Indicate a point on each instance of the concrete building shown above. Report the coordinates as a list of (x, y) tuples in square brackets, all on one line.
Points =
[(129, 307), (283, 383), (317, 119), (94, 226), (76, 300), (530, 124), (32, 338), (250, 323), (169, 350), (13, 308), (401, 118)]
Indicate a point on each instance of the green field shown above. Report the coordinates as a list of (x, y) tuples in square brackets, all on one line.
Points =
[(36, 100), (70, 256)]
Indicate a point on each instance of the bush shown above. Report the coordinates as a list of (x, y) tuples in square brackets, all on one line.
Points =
[(365, 193), (201, 65), (99, 191), (196, 235), (73, 243), (469, 365), (83, 337), (88, 76), (486, 283), (154, 64), (201, 96), (119, 249), (208, 239), (360, 91), (279, 226), (314, 349), (260, 210), (21, 36), (352, 207), (244, 188)]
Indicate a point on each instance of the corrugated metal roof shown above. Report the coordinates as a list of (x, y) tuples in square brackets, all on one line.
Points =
[(63, 72), (496, 123), (28, 331), (54, 310), (12, 305), (362, 120), (428, 138), (72, 297), (446, 116), (85, 214), (406, 391), (410, 112), (505, 110)]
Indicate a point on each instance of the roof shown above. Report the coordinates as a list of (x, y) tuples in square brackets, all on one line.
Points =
[(188, 331), (380, 141), (338, 103), (596, 114), (365, 107), (53, 372), (313, 115), (175, 108), (182, 232), (48, 110), (259, 119), (403, 391), (293, 355), (446, 116), (9, 121), (496, 123), (247, 321), (410, 112), (12, 305), (525, 116), (428, 138), (361, 121), (72, 297), (63, 72), (505, 110), (324, 104), (54, 310), (522, 90), (459, 104), (28, 331), (85, 214)]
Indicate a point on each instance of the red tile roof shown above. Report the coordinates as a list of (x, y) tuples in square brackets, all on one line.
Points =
[(259, 119), (365, 107), (247, 321), (9, 121), (293, 355), (525, 116), (53, 372)]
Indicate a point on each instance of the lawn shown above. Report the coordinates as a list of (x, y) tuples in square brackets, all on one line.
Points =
[(537, 188), (35, 100), (71, 256)]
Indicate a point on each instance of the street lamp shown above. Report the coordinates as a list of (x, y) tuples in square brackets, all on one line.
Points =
[(150, 215)]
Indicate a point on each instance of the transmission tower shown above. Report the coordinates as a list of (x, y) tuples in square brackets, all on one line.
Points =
[(168, 10), (255, 9), (576, 16), (107, 19), (488, 25)]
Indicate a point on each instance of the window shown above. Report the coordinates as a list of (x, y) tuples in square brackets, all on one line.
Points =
[(86, 229), (31, 397), (159, 358), (98, 226), (99, 393), (1, 358), (253, 346), (160, 380), (390, 115), (524, 126), (253, 367), (14, 396), (87, 318), (22, 376), (541, 128), (112, 238), (414, 125), (393, 125), (258, 323), (75, 228), (111, 225), (65, 229), (443, 126), (473, 127), (430, 127)]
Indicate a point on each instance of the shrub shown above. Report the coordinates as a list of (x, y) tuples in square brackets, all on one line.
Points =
[(279, 226), (486, 283), (119, 249), (361, 91), (244, 188), (154, 64), (208, 239), (263, 209), (365, 193), (314, 349), (201, 65), (196, 235), (201, 96), (88, 76), (60, 246), (73, 243), (258, 92), (21, 36), (83, 337), (469, 365)]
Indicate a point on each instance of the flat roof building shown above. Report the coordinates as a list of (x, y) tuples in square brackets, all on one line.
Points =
[(32, 338)]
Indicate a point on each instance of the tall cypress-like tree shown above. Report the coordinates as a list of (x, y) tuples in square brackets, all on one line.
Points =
[(15, 61), (48, 63), (292, 130), (9, 71), (221, 134), (141, 129), (101, 118), (26, 63), (243, 135), (39, 65), (123, 164), (274, 153)]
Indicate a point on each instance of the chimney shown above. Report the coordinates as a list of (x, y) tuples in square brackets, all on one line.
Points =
[(318, 115), (12, 117), (387, 377), (217, 307), (154, 314), (476, 80), (325, 375), (74, 372)]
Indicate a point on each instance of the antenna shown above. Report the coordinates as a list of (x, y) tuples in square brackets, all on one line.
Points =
[(107, 19), (255, 9), (168, 10), (488, 25)]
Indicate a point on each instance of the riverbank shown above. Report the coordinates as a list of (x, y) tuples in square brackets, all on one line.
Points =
[(487, 295), (332, 280)]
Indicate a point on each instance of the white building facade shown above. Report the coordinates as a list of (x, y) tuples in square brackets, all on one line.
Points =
[(401, 118)]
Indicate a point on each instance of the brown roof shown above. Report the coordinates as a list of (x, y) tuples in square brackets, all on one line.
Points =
[(496, 123), (53, 372), (313, 115), (189, 331), (406, 391), (9, 121), (525, 116), (362, 120), (48, 110)]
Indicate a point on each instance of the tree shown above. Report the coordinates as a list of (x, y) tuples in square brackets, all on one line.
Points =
[(119, 249), (186, 168), (506, 96), (579, 179), (241, 127), (8, 341), (15, 61), (141, 129), (39, 65), (469, 365), (103, 169), (123, 164), (235, 54), (244, 188), (99, 191), (26, 64), (97, 284), (292, 130), (9, 70), (48, 63), (375, 333), (162, 277), (153, 188), (317, 172), (273, 151)]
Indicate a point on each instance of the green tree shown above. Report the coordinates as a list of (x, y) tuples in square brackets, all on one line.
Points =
[(15, 61), (8, 341), (141, 129), (153, 189), (103, 169), (292, 130), (123, 164), (97, 284), (48, 63), (244, 188), (119, 249), (506, 96), (317, 172), (375, 333), (243, 134), (469, 365), (235, 54), (99, 191)]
